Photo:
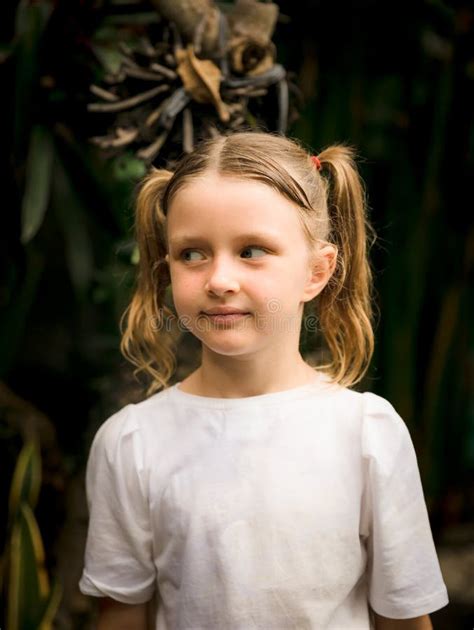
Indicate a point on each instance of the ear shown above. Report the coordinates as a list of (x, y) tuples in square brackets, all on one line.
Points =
[(322, 266), (167, 258)]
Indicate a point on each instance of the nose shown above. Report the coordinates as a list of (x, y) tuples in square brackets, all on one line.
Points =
[(222, 278)]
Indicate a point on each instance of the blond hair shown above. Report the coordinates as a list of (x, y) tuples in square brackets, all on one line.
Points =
[(332, 208)]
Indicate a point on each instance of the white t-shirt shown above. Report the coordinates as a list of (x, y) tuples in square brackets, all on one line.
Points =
[(294, 509)]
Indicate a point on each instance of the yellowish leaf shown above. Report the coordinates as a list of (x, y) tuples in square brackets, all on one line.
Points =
[(201, 79)]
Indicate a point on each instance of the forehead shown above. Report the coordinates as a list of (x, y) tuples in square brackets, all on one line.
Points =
[(214, 202)]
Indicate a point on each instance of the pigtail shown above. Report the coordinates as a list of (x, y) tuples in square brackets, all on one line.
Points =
[(147, 341), (345, 305)]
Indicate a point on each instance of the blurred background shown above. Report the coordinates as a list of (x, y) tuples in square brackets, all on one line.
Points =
[(92, 94)]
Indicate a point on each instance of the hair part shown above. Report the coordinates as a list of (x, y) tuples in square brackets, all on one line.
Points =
[(332, 208)]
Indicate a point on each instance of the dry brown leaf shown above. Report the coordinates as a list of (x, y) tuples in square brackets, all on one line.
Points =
[(187, 14), (254, 19), (250, 56), (121, 138), (201, 78)]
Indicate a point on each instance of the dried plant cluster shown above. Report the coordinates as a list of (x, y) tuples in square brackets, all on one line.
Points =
[(205, 69)]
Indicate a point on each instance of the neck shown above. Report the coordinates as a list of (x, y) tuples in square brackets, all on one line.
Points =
[(238, 377)]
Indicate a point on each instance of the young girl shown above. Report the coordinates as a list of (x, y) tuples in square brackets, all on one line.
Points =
[(260, 491)]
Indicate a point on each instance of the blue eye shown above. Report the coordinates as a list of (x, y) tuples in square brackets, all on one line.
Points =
[(188, 252), (250, 247)]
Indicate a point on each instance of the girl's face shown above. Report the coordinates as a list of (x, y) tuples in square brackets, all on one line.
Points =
[(238, 245)]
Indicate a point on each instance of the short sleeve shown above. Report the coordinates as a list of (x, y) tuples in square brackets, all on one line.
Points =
[(404, 576), (118, 556)]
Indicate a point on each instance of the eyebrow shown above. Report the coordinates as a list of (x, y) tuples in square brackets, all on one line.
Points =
[(180, 241)]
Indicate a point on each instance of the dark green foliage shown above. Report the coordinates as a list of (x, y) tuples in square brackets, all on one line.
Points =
[(397, 83)]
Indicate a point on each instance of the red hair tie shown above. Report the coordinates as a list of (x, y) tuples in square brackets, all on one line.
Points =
[(316, 161)]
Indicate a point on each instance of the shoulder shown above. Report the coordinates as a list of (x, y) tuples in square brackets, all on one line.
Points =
[(373, 420), (381, 416), (373, 410), (125, 425), (370, 404), (385, 436), (361, 405)]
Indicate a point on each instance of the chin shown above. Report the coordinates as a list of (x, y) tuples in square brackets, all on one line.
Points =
[(228, 350), (228, 347)]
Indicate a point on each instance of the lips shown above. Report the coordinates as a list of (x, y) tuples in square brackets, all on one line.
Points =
[(225, 310), (226, 319)]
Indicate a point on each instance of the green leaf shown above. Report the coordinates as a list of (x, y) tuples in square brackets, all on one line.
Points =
[(72, 217), (26, 479), (251, 120), (127, 167), (38, 182), (28, 585), (19, 295), (31, 18), (135, 257), (31, 21), (110, 57), (51, 606)]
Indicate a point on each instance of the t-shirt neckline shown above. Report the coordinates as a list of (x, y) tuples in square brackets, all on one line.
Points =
[(320, 385)]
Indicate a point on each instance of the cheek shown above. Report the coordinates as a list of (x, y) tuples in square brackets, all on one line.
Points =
[(184, 289), (283, 294), (278, 284)]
